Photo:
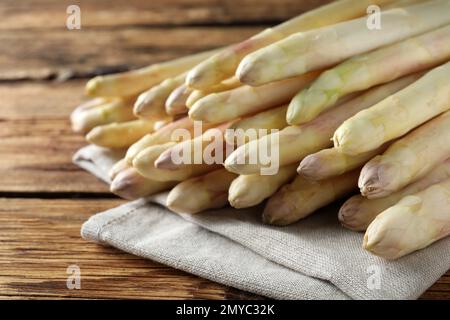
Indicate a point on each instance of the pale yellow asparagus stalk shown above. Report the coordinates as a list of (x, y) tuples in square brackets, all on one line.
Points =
[(136, 81), (367, 70), (414, 223), (226, 85), (151, 103), (114, 110), (194, 97), (296, 142), (358, 212), (193, 150), (302, 197), (118, 167), (87, 105), (119, 135), (396, 115), (160, 136), (244, 100), (224, 63), (261, 124), (209, 191), (130, 185), (144, 163), (250, 190), (327, 46), (176, 101), (408, 159), (331, 162), (161, 123)]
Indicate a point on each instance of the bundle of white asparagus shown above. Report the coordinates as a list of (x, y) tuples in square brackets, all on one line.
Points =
[(294, 118)]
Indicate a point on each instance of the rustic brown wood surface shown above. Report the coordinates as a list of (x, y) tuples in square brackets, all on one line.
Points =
[(44, 198)]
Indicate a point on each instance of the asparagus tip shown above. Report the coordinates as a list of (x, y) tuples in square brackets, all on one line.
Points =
[(348, 215), (373, 237), (165, 162), (243, 72), (236, 201), (127, 184), (93, 134), (308, 167), (92, 86), (139, 105), (192, 78), (277, 211), (372, 182), (178, 203)]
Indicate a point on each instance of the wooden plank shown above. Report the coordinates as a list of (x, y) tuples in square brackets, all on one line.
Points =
[(36, 142), (41, 238), (52, 13), (60, 53), (36, 157), (28, 100)]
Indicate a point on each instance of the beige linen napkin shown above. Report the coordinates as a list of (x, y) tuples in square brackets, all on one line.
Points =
[(313, 259)]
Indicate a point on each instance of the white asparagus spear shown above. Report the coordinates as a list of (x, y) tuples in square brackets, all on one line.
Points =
[(120, 135), (160, 136), (176, 101), (302, 197), (229, 105), (130, 185), (114, 110), (367, 70), (161, 123), (414, 223), (250, 190), (224, 63), (358, 212), (261, 123), (201, 193), (407, 159), (396, 115), (331, 162), (87, 105), (321, 48), (144, 163), (194, 150), (296, 142), (225, 85), (118, 167), (151, 103), (136, 81)]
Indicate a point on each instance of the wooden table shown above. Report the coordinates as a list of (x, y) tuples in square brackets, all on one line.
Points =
[(44, 198)]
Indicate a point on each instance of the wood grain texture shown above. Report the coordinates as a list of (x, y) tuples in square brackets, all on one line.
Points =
[(41, 238), (116, 13), (36, 157), (36, 142), (63, 54), (40, 100)]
